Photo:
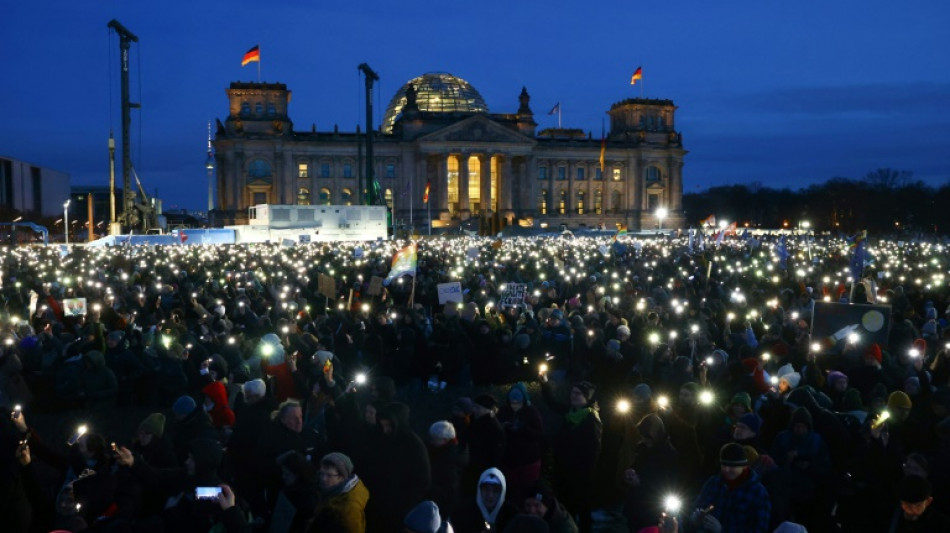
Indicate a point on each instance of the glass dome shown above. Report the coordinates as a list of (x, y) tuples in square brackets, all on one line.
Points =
[(436, 92)]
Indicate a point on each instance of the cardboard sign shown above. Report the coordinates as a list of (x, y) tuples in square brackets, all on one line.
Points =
[(375, 286), (513, 295), (326, 286), (304, 239), (74, 306), (833, 322), (287, 242), (450, 292)]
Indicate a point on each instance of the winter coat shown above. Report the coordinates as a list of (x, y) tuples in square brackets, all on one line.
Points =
[(742, 509), (342, 510), (221, 415), (97, 384), (523, 432), (447, 464)]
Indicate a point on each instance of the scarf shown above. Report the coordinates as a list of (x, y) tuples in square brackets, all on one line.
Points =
[(732, 485), (575, 416)]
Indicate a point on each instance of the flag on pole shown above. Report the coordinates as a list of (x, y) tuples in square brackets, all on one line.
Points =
[(857, 238), (404, 262), (637, 75), (425, 195), (182, 236), (603, 152), (709, 221), (556, 109), (254, 54), (621, 231)]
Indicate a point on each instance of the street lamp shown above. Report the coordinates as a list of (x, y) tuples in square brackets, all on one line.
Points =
[(660, 215), (66, 219)]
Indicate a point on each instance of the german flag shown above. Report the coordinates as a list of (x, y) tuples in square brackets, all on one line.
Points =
[(637, 75), (254, 54), (425, 195)]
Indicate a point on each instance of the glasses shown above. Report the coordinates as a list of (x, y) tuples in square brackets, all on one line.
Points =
[(328, 475)]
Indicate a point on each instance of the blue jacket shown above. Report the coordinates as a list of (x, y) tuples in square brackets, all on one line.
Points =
[(744, 509)]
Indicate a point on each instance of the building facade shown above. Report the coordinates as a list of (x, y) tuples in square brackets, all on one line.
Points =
[(438, 134), (31, 189)]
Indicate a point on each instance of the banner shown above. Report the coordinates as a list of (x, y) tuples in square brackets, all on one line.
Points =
[(513, 295), (74, 306), (450, 292), (326, 286)]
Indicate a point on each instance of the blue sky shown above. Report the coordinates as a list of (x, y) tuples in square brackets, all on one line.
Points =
[(787, 94)]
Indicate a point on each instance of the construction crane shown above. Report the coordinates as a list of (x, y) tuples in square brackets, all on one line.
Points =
[(136, 214)]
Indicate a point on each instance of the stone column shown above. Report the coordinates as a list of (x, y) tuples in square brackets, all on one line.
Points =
[(509, 190), (484, 160), (239, 184), (443, 185), (676, 186), (465, 210)]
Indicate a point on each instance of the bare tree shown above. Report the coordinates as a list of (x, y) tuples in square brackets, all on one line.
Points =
[(888, 178)]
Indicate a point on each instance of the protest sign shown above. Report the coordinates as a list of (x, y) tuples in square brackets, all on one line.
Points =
[(450, 292), (326, 286), (74, 306), (375, 286), (513, 295)]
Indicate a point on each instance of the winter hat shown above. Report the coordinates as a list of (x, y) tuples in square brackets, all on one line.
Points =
[(920, 345), (557, 314), (929, 329), (651, 426), (642, 392), (751, 454), (792, 378), (154, 424), (751, 421), (931, 313), (802, 416), (874, 352), (790, 527), (443, 429), (743, 399), (340, 462), (913, 489), (852, 400), (255, 388), (587, 389), (519, 391), (423, 518), (298, 465), (487, 401), (899, 399), (322, 356), (184, 406), (613, 345), (541, 490), (732, 454), (623, 332), (836, 376), (522, 341)]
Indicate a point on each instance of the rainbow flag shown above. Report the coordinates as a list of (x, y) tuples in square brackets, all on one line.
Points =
[(857, 238), (620, 232), (254, 54), (404, 262)]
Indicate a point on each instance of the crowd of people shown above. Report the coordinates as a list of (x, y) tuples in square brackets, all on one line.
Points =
[(674, 381)]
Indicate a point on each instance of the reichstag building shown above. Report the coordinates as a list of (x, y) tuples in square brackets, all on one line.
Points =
[(438, 130)]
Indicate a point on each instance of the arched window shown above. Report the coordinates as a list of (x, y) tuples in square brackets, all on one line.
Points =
[(259, 108), (389, 198), (580, 202), (543, 202), (615, 201), (303, 196), (259, 169), (562, 202), (245, 108), (652, 174), (598, 201), (347, 197), (325, 196)]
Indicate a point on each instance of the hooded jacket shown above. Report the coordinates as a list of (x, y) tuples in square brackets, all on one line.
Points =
[(221, 415), (473, 515)]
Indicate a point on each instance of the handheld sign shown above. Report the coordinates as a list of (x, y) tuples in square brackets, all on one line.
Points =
[(375, 286), (450, 292), (74, 306), (513, 295)]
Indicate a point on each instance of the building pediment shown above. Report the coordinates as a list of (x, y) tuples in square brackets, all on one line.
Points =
[(473, 132)]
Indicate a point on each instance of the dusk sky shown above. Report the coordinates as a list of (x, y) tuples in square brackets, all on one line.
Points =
[(784, 93)]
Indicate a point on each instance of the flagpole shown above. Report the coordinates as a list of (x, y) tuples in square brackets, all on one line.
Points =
[(258, 63), (559, 115), (429, 216)]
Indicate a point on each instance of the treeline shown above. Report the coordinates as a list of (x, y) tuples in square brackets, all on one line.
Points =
[(884, 201)]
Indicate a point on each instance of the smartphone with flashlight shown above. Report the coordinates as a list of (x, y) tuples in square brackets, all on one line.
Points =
[(207, 493), (328, 366), (17, 409)]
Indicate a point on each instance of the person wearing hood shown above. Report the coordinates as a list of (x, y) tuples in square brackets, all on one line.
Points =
[(396, 469), (185, 512), (577, 448), (426, 518), (488, 510), (524, 429), (804, 453), (216, 404), (733, 499), (655, 471)]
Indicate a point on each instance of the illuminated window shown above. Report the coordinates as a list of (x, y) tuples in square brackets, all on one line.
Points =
[(324, 170), (580, 202), (580, 173), (390, 170), (561, 173), (598, 201), (347, 197), (652, 173), (542, 173), (325, 196), (347, 170), (543, 202), (303, 196), (562, 202), (617, 174), (303, 170)]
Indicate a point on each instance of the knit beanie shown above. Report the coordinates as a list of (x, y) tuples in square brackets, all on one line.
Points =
[(836, 376), (751, 454), (541, 490), (899, 399), (790, 527), (732, 454), (184, 406), (154, 424), (913, 489), (340, 462), (743, 399), (874, 352), (623, 331), (443, 429), (423, 518), (587, 389)]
